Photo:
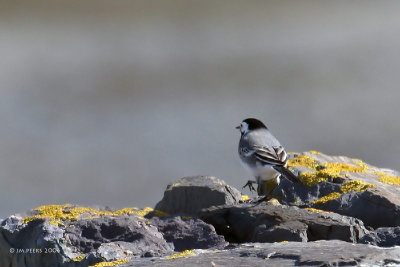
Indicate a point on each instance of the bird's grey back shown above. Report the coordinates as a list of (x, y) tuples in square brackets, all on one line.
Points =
[(260, 137)]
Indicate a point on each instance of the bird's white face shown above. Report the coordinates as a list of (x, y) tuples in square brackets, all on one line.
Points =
[(243, 127)]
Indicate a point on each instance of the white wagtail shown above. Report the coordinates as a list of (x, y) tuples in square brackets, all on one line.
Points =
[(262, 154)]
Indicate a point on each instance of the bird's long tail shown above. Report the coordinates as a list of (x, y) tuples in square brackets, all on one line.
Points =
[(287, 174)]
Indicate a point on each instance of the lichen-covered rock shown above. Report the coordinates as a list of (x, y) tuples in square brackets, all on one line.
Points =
[(70, 235), (383, 237), (343, 185), (267, 222), (286, 254), (190, 194)]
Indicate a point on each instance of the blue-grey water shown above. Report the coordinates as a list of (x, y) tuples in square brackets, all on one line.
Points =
[(106, 102)]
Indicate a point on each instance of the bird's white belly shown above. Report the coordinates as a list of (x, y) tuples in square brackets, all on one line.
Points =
[(262, 173)]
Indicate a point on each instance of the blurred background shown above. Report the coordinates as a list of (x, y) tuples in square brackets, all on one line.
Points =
[(106, 102)]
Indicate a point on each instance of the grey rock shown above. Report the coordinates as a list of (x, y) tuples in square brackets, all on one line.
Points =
[(378, 206), (318, 253), (383, 237), (96, 238), (188, 233), (31, 244), (274, 223), (190, 194), (138, 237)]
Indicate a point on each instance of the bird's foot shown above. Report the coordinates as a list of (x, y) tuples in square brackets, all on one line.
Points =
[(249, 184)]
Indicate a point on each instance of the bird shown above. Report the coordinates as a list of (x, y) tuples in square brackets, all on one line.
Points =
[(263, 155)]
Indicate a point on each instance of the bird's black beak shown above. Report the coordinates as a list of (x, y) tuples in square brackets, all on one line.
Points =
[(237, 127)]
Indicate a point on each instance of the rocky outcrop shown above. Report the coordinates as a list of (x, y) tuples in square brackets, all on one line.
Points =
[(71, 235), (287, 254), (383, 237), (340, 213), (188, 233), (189, 195), (343, 185), (267, 222)]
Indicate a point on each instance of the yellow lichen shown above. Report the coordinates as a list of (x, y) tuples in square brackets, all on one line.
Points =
[(79, 258), (361, 163), (312, 178), (183, 254), (160, 213), (327, 198), (186, 217), (109, 263), (356, 186), (245, 198), (317, 210), (143, 212), (343, 167), (273, 201), (387, 179), (173, 185), (302, 161), (328, 170), (314, 152), (59, 213)]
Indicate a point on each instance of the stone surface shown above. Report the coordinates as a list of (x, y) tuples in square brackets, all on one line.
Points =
[(70, 235), (129, 231), (383, 237), (343, 185), (267, 222), (355, 192), (319, 253), (190, 194), (188, 233)]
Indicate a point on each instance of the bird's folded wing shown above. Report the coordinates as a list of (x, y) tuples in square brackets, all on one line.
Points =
[(274, 156)]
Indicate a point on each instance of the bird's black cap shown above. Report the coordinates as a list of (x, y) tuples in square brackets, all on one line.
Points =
[(254, 124)]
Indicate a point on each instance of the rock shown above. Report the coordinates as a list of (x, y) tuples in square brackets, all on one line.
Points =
[(343, 185), (125, 235), (71, 235), (188, 233), (190, 194), (383, 237), (318, 253), (274, 223)]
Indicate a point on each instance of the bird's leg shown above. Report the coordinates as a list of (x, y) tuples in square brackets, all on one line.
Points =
[(268, 196), (249, 184)]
